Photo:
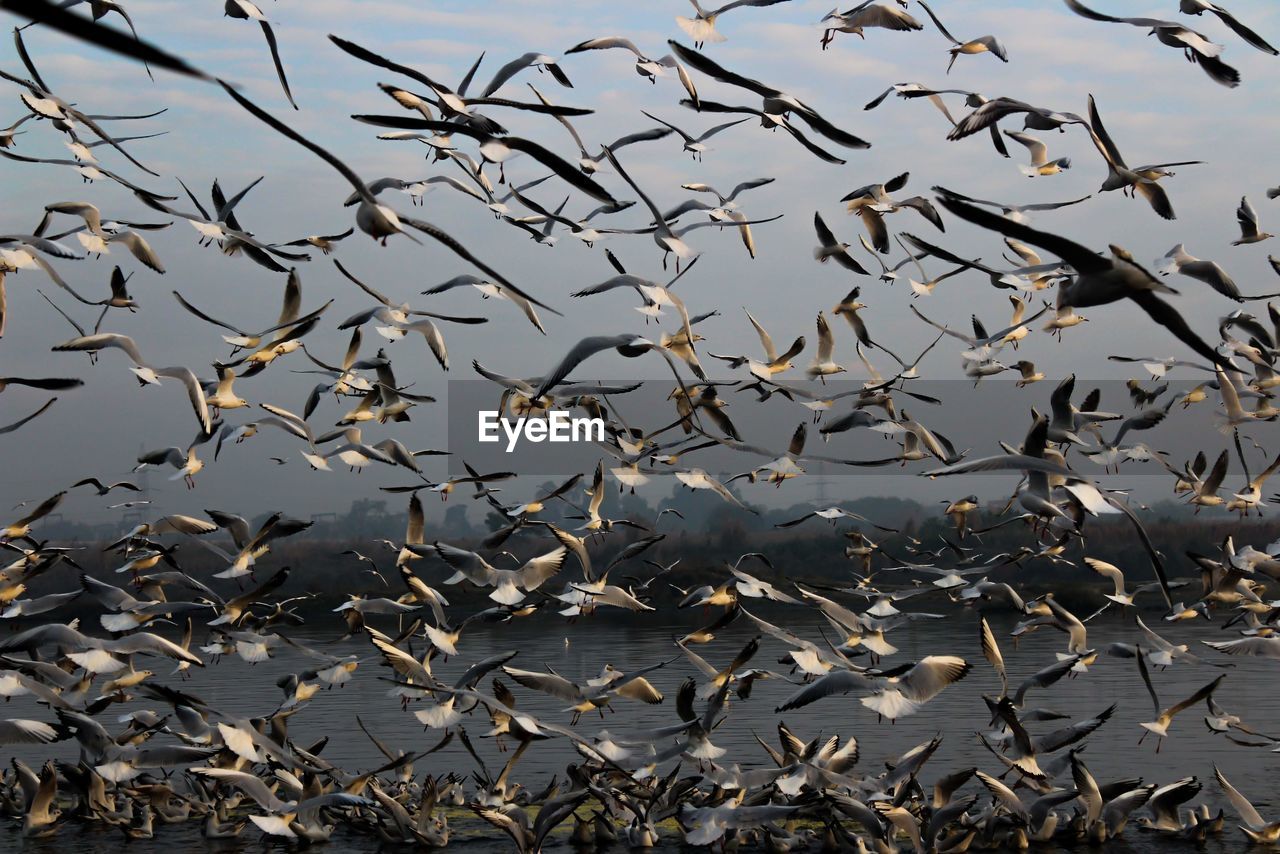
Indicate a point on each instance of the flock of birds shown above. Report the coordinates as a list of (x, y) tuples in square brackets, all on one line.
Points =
[(185, 760)]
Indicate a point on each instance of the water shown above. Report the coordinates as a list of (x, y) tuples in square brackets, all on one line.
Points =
[(578, 650)]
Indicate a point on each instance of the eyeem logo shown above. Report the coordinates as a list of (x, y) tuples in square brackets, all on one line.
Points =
[(557, 426)]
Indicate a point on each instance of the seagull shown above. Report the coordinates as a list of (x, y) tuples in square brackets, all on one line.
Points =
[(694, 145), (1115, 575), (1041, 165), (22, 527), (510, 586), (926, 285), (1141, 179), (702, 27), (1199, 7), (376, 220), (93, 344), (1179, 260), (1098, 280), (774, 362), (645, 67), (894, 694), (982, 44), (489, 289), (1164, 717), (1197, 47), (593, 694), (829, 248), (246, 11), (866, 14), (1255, 827), (324, 242), (1248, 219), (105, 488), (823, 364), (670, 240), (776, 102), (533, 59), (871, 202)]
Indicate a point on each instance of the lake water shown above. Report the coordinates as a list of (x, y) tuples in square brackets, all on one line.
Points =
[(578, 650)]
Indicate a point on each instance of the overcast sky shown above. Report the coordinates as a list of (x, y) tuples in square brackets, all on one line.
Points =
[(1157, 107)]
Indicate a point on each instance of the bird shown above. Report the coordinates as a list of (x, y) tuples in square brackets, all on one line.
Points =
[(866, 15), (1041, 165), (823, 364), (105, 488), (22, 527), (378, 221), (702, 27), (284, 591), (508, 584), (695, 145), (1199, 7), (1164, 717), (1098, 280), (246, 11), (645, 66), (775, 100), (828, 248), (1258, 830), (982, 44), (1197, 48), (896, 694), (774, 362), (1247, 217), (1142, 179)]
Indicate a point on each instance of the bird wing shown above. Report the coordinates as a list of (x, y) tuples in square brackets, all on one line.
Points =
[(711, 68), (195, 392), (605, 43), (938, 23), (1248, 814), (1081, 258), (1039, 151), (836, 682), (1251, 37), (991, 650), (282, 128), (1201, 694), (473, 566), (251, 785), (1168, 317), (1247, 217), (547, 683), (538, 569), (933, 673)]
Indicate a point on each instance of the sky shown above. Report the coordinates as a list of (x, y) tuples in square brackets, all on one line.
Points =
[(1156, 106)]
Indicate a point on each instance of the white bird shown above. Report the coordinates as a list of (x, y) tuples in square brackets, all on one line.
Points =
[(1164, 716), (109, 340), (510, 585), (867, 14), (1040, 163), (1259, 830), (1199, 7), (1247, 217), (1115, 575), (376, 220), (892, 697), (823, 364), (982, 44), (702, 27), (246, 11)]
